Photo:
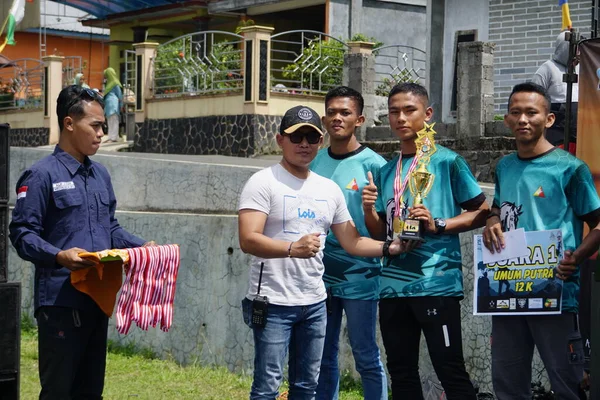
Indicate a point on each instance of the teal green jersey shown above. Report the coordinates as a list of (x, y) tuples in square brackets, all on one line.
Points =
[(552, 191), (433, 269), (350, 277)]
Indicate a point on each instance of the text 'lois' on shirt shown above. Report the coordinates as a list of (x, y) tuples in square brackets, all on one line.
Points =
[(61, 204)]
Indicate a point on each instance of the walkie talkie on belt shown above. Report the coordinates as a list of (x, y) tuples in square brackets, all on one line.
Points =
[(260, 304)]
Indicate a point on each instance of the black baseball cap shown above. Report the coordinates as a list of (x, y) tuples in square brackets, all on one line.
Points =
[(299, 116)]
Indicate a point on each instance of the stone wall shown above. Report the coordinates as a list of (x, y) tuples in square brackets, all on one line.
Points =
[(482, 153), (29, 137), (193, 204), (232, 135), (524, 33)]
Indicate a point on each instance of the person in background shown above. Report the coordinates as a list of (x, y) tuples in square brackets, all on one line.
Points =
[(79, 80), (550, 76), (113, 103)]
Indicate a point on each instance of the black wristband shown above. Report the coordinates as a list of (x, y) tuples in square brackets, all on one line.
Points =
[(386, 248), (492, 214)]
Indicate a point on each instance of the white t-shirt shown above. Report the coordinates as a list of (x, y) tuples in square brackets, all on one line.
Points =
[(294, 208)]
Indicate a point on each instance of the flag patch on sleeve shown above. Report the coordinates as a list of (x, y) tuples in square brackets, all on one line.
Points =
[(22, 192)]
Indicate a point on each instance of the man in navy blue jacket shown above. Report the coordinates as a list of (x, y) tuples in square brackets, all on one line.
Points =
[(66, 205)]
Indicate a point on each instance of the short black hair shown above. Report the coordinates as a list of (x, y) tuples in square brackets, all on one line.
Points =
[(530, 87), (345, 91), (70, 102), (410, 87)]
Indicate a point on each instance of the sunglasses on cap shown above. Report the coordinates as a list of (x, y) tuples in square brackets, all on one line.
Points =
[(86, 94), (312, 137)]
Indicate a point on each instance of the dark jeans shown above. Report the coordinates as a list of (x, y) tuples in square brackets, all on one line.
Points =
[(401, 321), (72, 353)]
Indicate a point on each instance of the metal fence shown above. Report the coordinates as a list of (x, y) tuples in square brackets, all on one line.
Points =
[(71, 66), (199, 63), (130, 86), (398, 63), (307, 62), (22, 84)]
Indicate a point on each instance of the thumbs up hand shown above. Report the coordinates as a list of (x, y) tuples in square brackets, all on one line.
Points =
[(369, 193)]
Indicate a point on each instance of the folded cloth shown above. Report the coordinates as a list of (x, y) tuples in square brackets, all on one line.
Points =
[(103, 281), (148, 293)]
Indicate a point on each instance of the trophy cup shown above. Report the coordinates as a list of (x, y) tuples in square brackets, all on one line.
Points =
[(420, 182)]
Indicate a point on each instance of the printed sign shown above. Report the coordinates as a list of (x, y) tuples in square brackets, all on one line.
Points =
[(521, 285)]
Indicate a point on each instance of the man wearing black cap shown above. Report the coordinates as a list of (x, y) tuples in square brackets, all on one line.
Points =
[(285, 212)]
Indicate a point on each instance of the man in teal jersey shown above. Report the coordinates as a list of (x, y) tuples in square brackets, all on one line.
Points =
[(352, 282), (421, 290), (541, 187)]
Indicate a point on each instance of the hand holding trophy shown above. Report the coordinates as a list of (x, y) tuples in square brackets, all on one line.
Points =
[(420, 182)]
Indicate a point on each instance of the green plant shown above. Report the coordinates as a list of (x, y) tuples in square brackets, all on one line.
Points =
[(404, 75), (27, 325), (360, 37), (498, 117), (243, 24), (130, 350), (181, 67), (321, 63), (319, 66)]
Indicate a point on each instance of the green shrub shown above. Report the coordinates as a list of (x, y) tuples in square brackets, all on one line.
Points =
[(179, 69), (320, 67), (328, 71)]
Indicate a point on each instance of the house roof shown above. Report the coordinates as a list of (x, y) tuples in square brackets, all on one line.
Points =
[(103, 8)]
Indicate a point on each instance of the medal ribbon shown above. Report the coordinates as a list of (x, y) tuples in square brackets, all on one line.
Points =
[(399, 189)]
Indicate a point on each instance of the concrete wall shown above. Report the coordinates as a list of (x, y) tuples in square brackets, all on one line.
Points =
[(524, 33), (196, 106), (388, 22), (23, 119), (193, 204), (460, 15)]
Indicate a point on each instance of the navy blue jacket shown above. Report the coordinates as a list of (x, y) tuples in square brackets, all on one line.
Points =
[(61, 204)]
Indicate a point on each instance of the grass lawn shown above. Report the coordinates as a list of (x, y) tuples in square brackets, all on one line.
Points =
[(131, 375)]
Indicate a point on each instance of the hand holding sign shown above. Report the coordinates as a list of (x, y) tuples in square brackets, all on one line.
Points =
[(567, 266)]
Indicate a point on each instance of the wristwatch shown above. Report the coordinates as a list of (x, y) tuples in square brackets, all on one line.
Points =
[(440, 225), (386, 248)]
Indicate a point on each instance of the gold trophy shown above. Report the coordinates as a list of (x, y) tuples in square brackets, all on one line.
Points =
[(420, 182)]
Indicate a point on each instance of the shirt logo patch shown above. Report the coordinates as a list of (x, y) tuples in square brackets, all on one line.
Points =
[(353, 185), (539, 193), (57, 187), (22, 192)]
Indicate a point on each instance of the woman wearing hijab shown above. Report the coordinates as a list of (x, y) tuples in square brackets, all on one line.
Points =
[(80, 81), (113, 102)]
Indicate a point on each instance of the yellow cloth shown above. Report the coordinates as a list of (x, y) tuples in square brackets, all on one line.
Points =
[(103, 281)]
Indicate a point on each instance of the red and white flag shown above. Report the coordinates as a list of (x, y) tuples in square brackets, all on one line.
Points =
[(22, 192)]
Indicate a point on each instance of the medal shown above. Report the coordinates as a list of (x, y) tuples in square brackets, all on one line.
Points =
[(397, 224)]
